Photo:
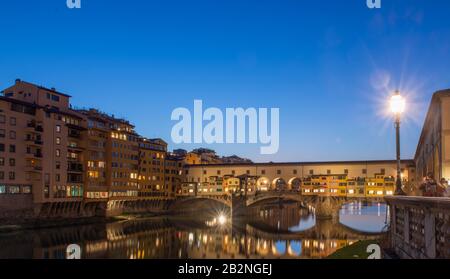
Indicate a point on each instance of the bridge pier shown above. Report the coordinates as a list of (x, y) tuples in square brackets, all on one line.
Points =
[(326, 208), (238, 206)]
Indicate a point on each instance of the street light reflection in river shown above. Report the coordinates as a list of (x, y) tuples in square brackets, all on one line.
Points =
[(219, 220)]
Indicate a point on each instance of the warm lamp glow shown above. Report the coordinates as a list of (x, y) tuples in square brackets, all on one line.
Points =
[(397, 104), (222, 219)]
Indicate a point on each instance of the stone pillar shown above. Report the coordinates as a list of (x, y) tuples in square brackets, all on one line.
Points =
[(326, 208), (238, 206), (430, 234)]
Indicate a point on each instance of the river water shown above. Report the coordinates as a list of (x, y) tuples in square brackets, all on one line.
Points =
[(272, 231)]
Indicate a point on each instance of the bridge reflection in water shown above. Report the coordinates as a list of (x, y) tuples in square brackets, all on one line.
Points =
[(274, 231)]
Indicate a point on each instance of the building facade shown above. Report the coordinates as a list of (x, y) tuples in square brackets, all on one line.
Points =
[(374, 178), (433, 150), (152, 155), (41, 149), (56, 161)]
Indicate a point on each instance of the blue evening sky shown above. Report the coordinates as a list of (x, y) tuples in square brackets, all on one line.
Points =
[(328, 65)]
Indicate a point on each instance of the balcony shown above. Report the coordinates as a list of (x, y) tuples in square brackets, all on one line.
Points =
[(33, 168), (75, 180), (72, 167), (74, 134), (31, 125), (33, 155)]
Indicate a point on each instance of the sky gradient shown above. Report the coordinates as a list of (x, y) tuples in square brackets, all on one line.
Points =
[(328, 65)]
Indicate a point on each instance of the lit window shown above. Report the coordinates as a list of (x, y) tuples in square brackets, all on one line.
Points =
[(93, 174), (58, 140), (58, 128)]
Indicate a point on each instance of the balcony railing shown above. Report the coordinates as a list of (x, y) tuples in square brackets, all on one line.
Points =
[(75, 168), (33, 168), (420, 227), (74, 134)]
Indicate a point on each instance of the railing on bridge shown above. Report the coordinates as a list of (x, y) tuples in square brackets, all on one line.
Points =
[(420, 227)]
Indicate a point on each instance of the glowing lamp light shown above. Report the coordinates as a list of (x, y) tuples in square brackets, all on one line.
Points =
[(222, 219), (397, 104)]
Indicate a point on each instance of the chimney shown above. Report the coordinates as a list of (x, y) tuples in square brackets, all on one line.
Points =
[(18, 80)]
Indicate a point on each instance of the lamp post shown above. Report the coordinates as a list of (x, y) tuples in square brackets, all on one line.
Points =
[(397, 104)]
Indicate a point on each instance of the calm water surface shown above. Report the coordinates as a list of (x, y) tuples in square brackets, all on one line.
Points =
[(272, 231)]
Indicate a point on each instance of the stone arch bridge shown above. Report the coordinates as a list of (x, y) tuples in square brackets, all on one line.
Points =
[(325, 207)]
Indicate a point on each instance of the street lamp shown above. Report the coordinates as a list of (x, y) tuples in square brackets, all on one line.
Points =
[(397, 108)]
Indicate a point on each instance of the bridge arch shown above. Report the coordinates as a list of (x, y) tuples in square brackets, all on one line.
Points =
[(279, 184), (294, 248), (199, 203), (262, 247), (295, 184), (279, 248), (263, 184)]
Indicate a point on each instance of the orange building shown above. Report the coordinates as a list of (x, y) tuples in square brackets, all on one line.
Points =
[(42, 147)]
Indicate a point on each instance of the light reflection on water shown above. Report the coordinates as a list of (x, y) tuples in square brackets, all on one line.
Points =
[(370, 218), (273, 231)]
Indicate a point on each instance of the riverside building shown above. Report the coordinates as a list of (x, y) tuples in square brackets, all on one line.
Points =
[(42, 145)]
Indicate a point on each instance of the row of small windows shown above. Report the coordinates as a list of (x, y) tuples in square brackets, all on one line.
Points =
[(11, 175), (100, 164), (152, 155), (124, 165), (152, 146), (121, 136), (12, 134), (12, 148), (15, 189), (124, 184), (124, 146), (124, 156), (127, 193), (311, 172), (12, 162), (53, 97), (124, 175), (12, 120)]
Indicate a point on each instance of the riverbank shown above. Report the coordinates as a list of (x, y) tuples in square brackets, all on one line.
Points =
[(8, 227)]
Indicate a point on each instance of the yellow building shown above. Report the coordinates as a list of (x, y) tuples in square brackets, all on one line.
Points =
[(232, 185), (192, 159)]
